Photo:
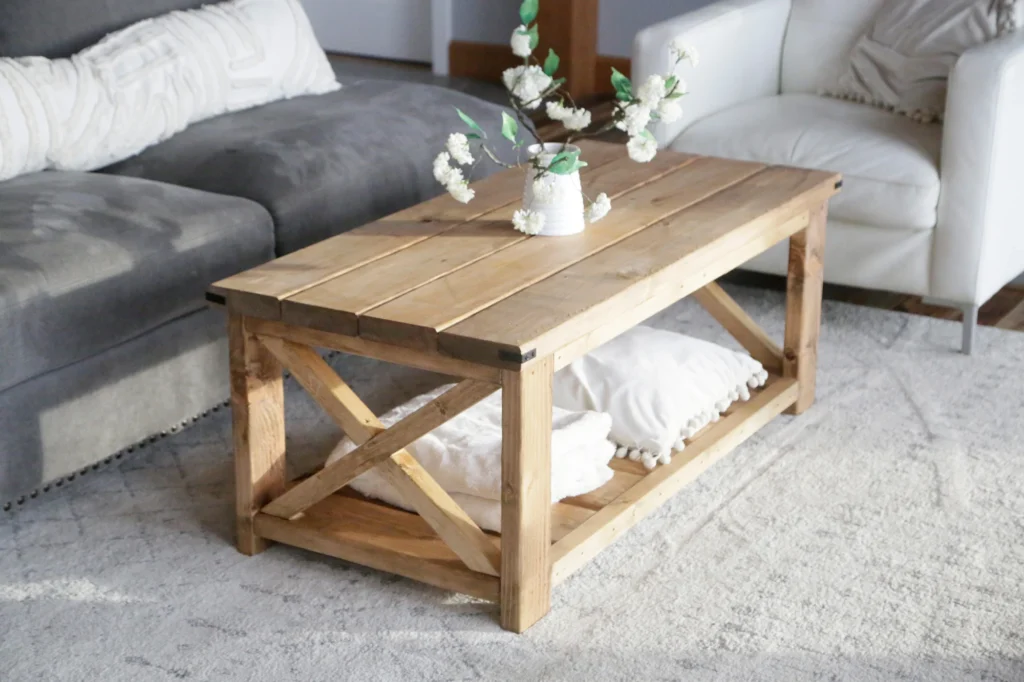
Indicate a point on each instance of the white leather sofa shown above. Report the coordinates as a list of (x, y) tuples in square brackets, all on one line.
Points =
[(929, 209)]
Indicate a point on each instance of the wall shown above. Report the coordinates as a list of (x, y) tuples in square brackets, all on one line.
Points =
[(492, 21)]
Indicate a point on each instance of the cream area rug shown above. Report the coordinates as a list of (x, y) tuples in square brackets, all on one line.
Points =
[(880, 536)]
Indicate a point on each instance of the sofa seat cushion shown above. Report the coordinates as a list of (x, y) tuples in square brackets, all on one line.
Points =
[(89, 261), (321, 165), (890, 164)]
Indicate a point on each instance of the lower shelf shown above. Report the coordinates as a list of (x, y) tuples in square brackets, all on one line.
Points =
[(367, 532)]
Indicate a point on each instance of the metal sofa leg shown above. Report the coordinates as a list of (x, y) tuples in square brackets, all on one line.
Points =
[(970, 327)]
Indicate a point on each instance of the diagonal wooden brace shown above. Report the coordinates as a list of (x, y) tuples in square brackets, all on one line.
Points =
[(372, 452), (401, 470), (730, 315)]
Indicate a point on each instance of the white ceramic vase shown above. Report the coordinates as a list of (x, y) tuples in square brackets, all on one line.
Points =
[(562, 207)]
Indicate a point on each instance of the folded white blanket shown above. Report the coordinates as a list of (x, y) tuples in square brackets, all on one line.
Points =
[(464, 456)]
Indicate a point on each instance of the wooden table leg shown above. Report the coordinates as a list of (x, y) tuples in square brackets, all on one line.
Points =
[(526, 495), (803, 307), (257, 411)]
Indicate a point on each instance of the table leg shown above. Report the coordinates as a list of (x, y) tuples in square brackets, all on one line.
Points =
[(803, 307), (257, 411), (526, 495)]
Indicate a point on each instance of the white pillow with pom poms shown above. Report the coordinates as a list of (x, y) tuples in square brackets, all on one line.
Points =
[(659, 387)]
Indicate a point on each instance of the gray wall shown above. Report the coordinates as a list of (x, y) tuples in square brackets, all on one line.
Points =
[(492, 21)]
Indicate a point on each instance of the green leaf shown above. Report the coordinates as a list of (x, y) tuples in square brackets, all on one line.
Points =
[(509, 127), (621, 83), (551, 63), (670, 83), (470, 122), (647, 133), (564, 162), (534, 37), (528, 11), (473, 136), (624, 97)]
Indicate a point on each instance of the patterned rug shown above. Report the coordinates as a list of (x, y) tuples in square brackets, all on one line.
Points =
[(880, 536)]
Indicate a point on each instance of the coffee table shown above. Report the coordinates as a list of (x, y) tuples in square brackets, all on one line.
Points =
[(452, 288)]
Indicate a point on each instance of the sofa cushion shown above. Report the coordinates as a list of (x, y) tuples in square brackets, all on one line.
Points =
[(890, 164), (321, 165), (59, 28), (88, 261)]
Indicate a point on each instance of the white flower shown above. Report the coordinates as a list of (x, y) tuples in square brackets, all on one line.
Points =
[(669, 110), (442, 171), (572, 119), (637, 116), (521, 42), (544, 188), (652, 91), (458, 147), (460, 190), (642, 148), (681, 50), (528, 222), (599, 208), (527, 84)]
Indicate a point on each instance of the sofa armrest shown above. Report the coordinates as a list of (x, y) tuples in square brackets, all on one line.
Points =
[(979, 240), (740, 47)]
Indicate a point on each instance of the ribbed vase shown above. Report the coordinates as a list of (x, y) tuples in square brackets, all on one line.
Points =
[(563, 209)]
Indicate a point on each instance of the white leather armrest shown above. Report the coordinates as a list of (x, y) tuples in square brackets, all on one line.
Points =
[(979, 240), (740, 47)]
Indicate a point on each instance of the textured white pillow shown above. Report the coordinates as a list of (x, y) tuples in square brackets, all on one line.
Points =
[(660, 388), (142, 84), (902, 62), (464, 456)]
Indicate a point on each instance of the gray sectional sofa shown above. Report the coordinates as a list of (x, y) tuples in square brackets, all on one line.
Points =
[(105, 339)]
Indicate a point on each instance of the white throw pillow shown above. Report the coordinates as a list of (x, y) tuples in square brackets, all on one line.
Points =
[(659, 387), (464, 456), (142, 84), (902, 62)]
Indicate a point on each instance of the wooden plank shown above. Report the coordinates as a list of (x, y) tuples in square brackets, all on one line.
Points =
[(258, 291), (803, 306), (336, 304), (257, 412), (401, 470), (526, 495), (373, 451), (565, 518), (741, 326), (600, 498), (416, 318), (383, 538), (378, 351), (601, 529), (570, 29), (644, 273)]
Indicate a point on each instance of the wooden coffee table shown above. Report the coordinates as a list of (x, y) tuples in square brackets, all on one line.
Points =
[(453, 288)]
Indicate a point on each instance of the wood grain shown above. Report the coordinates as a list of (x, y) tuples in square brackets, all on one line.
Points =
[(741, 326), (803, 306), (257, 412), (526, 495), (415, 319)]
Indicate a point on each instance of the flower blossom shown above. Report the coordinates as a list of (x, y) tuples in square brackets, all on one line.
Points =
[(652, 91), (669, 110), (636, 118), (642, 148), (458, 147), (599, 208), (527, 84), (681, 50), (452, 179), (572, 119), (528, 222), (521, 42)]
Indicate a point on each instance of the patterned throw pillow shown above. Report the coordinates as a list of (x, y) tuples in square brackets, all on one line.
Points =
[(902, 63)]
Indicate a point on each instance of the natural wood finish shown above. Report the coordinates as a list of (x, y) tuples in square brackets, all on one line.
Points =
[(416, 318), (336, 304), (601, 529), (401, 470), (526, 495), (379, 351), (603, 72), (740, 325), (257, 410), (380, 537), (379, 447), (803, 305), (598, 499), (569, 27), (649, 270), (480, 61)]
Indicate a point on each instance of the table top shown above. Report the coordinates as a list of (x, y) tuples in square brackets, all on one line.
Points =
[(457, 279)]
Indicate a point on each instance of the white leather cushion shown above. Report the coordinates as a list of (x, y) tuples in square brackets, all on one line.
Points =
[(140, 85), (902, 62), (819, 37), (659, 387), (889, 162)]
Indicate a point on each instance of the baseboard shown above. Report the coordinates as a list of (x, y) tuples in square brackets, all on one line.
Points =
[(486, 62)]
